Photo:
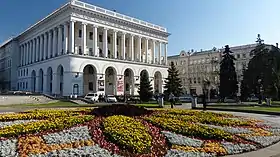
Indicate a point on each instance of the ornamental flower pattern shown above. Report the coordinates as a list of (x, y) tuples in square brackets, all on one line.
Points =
[(160, 133)]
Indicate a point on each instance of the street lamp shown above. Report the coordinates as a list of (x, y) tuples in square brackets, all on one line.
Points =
[(260, 86)]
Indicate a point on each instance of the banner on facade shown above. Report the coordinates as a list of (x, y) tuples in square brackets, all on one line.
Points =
[(100, 85), (120, 87)]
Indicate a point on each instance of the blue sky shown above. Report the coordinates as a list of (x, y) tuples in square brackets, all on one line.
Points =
[(193, 24)]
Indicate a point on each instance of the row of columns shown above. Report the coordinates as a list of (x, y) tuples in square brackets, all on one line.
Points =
[(61, 40)]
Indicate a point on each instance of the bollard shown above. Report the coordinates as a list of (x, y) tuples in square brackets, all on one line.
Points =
[(194, 103)]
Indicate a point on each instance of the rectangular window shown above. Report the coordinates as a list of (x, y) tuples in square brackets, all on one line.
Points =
[(109, 40), (117, 41), (80, 50), (238, 55), (100, 38), (90, 35), (26, 86), (80, 33)]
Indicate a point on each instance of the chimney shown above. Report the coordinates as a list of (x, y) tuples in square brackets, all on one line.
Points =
[(277, 45)]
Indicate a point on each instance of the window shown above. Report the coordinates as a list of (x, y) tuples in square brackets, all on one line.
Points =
[(80, 33), (198, 80), (26, 72), (238, 56), (127, 87), (80, 50), (75, 89), (90, 52), (90, 35), (23, 85), (194, 80), (117, 41), (26, 86), (244, 55), (100, 38), (109, 40)]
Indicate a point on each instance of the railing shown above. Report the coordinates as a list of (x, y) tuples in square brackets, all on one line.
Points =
[(117, 15)]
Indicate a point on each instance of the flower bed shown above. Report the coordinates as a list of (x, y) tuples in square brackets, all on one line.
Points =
[(128, 132), (131, 131)]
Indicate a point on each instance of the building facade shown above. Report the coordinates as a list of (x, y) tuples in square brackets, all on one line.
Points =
[(81, 48), (194, 67)]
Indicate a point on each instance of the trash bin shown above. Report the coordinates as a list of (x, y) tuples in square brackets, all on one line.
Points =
[(194, 102)]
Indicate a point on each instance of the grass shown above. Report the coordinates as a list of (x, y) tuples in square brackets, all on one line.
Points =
[(48, 105)]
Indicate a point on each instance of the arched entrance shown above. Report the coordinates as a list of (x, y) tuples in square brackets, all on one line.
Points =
[(33, 81), (90, 79), (41, 80), (110, 81), (144, 72), (59, 78), (128, 82), (158, 82), (49, 80)]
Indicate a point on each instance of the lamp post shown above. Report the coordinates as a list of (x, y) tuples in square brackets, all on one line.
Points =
[(205, 87), (260, 86)]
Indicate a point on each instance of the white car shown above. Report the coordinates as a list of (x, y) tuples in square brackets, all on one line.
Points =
[(92, 96), (110, 98)]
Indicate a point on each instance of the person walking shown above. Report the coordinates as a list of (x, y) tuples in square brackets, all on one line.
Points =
[(171, 99)]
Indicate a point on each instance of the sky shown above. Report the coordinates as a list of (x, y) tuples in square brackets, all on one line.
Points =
[(193, 24)]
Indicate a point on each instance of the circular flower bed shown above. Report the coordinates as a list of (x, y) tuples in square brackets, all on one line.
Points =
[(130, 131)]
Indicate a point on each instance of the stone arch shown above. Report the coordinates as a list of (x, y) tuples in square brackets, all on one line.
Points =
[(157, 82), (33, 81), (142, 69), (89, 79), (49, 80), (128, 81), (86, 63), (41, 80), (111, 80), (59, 79), (105, 67)]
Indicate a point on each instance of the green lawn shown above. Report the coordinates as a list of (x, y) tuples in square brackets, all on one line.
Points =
[(48, 105)]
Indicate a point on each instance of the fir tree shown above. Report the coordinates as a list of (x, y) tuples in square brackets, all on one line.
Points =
[(228, 79), (173, 82), (145, 89)]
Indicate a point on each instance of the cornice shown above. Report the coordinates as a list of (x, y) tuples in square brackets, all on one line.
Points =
[(114, 22)]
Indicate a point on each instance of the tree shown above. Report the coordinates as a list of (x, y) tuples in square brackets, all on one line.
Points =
[(145, 89), (228, 80), (264, 70), (245, 93), (173, 82)]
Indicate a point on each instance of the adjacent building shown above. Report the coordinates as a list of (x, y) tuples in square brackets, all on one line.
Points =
[(194, 67), (81, 48)]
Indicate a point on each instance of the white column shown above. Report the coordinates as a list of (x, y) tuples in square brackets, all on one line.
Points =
[(45, 47), (123, 46), (29, 53), (159, 53), (50, 44), (84, 38), (21, 52), (165, 54), (146, 49), (105, 43), (33, 50), (72, 37), (139, 49), (25, 53), (131, 46), (41, 52), (65, 45), (154, 52), (54, 83), (45, 83), (115, 48), (38, 49), (59, 42), (95, 40), (54, 46)]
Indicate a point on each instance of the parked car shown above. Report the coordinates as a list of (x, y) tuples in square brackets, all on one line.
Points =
[(185, 99), (92, 97), (110, 99)]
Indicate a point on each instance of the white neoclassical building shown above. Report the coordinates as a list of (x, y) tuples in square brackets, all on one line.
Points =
[(81, 48)]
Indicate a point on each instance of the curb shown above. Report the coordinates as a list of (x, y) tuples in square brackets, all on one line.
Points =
[(239, 110)]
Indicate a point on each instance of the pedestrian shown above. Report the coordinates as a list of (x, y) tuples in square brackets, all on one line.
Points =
[(171, 99), (204, 100)]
